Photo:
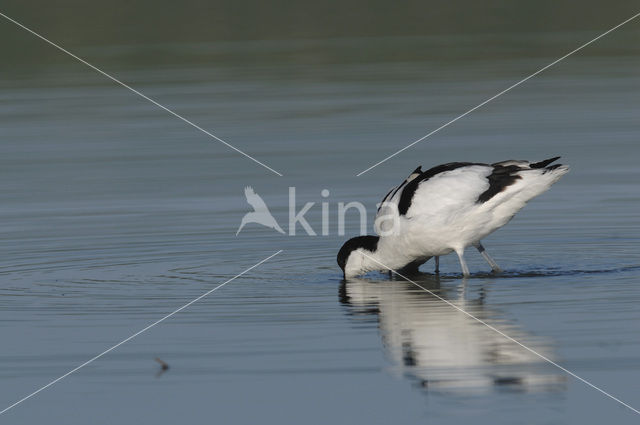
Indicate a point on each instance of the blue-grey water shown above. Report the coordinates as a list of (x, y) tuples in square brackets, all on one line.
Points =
[(114, 213)]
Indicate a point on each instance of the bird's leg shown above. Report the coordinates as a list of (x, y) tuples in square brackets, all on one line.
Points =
[(463, 263), (437, 259), (487, 257)]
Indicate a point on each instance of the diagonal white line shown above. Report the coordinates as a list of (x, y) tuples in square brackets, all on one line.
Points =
[(499, 94), (136, 334), (175, 114), (505, 335)]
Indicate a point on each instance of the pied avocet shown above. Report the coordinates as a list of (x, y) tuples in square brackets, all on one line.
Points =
[(447, 208)]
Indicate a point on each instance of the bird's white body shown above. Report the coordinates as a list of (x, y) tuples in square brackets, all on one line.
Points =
[(453, 207)]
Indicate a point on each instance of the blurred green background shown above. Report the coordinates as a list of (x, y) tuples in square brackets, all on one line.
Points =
[(76, 24)]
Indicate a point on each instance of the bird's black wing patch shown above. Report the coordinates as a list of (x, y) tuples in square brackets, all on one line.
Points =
[(410, 189), (544, 163), (417, 170), (387, 196), (500, 178), (395, 190)]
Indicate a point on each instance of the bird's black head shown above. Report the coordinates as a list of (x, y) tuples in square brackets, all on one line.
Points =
[(369, 243)]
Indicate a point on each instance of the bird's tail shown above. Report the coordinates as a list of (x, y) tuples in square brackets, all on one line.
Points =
[(539, 178), (551, 172)]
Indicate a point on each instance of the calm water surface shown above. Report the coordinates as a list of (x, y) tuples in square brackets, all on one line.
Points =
[(114, 214)]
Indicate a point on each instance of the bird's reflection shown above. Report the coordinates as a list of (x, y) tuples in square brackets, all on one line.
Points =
[(443, 349)]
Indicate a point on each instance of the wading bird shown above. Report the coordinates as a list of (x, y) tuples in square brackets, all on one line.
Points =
[(445, 209)]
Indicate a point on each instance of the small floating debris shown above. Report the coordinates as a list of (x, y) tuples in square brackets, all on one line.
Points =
[(163, 365)]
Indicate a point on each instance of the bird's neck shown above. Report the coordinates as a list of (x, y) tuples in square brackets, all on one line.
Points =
[(386, 256), (372, 260)]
